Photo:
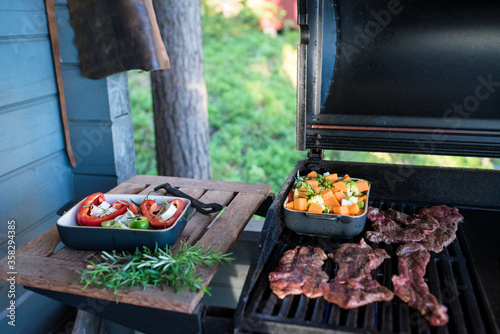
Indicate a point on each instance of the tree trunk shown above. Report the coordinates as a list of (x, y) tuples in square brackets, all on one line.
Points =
[(180, 95)]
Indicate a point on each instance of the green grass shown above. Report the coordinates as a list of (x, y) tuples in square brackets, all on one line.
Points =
[(251, 105)]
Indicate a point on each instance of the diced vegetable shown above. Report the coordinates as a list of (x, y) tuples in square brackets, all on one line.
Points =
[(362, 185), (300, 204), (340, 186), (316, 208), (316, 199), (313, 183), (339, 196), (331, 202), (312, 175), (353, 209), (341, 210), (326, 193), (345, 178), (332, 177)]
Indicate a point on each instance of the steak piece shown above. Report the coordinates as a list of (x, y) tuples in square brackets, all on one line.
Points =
[(435, 227), (448, 219), (392, 226), (353, 285), (411, 287), (299, 271)]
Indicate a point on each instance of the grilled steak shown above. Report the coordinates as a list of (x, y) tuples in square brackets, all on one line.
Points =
[(411, 287), (444, 235), (353, 285), (299, 271), (434, 227), (392, 226)]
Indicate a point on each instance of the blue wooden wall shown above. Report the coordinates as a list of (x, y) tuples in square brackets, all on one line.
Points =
[(35, 177)]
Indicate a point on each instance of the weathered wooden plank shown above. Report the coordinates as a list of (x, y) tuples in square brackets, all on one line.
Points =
[(34, 132), (73, 255), (193, 192), (27, 71), (59, 275), (89, 184), (86, 323), (42, 245), (262, 189), (224, 232), (59, 271), (128, 188), (36, 190), (199, 222), (19, 24)]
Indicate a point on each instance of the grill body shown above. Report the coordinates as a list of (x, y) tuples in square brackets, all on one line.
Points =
[(452, 275), (395, 76)]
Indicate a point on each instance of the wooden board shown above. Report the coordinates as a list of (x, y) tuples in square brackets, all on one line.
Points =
[(39, 266)]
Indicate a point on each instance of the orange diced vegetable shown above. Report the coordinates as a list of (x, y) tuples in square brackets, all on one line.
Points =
[(345, 178), (331, 202), (362, 185), (312, 175), (316, 208), (302, 192), (340, 186), (326, 194), (290, 205), (341, 210), (317, 190), (339, 195), (300, 204), (332, 177), (313, 183), (353, 209), (362, 198)]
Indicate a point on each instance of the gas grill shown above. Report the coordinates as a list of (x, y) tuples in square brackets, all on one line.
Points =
[(394, 76)]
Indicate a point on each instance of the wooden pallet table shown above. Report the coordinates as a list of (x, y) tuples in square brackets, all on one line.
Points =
[(39, 266)]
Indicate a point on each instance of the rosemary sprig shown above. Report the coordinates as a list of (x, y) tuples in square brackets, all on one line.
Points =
[(158, 268)]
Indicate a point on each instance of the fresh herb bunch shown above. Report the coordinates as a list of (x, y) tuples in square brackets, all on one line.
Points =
[(158, 267)]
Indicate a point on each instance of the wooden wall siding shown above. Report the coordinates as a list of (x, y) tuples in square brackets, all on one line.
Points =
[(99, 119), (35, 178)]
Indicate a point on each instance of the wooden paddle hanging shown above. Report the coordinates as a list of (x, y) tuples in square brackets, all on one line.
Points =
[(56, 56)]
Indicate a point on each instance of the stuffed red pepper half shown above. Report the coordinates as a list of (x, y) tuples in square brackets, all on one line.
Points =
[(161, 216), (95, 210)]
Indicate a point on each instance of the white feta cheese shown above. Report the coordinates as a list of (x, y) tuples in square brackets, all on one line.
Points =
[(125, 218), (169, 212), (97, 210)]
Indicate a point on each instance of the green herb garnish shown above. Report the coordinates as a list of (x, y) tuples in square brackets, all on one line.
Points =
[(159, 267)]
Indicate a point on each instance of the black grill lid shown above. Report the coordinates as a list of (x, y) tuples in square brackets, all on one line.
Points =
[(399, 76)]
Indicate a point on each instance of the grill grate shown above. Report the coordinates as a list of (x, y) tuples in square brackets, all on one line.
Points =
[(447, 275)]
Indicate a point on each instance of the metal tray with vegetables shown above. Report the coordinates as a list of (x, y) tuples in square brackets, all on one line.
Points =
[(327, 205), (124, 221)]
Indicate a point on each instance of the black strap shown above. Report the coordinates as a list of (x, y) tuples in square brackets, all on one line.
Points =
[(199, 206)]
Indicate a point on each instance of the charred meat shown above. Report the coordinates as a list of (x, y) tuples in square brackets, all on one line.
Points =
[(299, 271), (353, 285), (435, 227), (392, 226), (411, 287)]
